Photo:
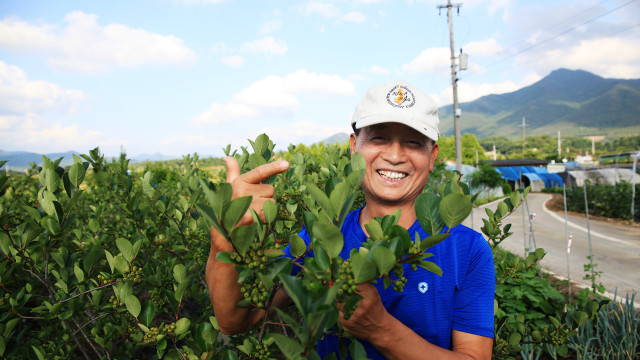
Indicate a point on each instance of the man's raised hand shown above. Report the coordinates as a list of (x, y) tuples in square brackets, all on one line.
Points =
[(250, 184)]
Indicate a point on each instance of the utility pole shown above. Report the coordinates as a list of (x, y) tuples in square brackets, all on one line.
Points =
[(523, 126), (454, 83), (559, 147)]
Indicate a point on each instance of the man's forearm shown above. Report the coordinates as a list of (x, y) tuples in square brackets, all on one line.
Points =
[(224, 292), (398, 341)]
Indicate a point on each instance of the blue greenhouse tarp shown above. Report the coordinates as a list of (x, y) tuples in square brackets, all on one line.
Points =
[(513, 173)]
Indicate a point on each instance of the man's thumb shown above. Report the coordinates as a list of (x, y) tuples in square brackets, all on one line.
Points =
[(233, 169)]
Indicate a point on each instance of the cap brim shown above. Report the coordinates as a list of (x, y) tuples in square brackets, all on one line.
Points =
[(415, 124)]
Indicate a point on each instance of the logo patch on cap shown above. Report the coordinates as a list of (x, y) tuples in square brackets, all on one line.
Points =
[(401, 97)]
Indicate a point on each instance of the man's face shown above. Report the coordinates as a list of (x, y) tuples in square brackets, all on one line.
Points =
[(398, 160)]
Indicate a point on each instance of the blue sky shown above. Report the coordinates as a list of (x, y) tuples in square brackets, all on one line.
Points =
[(183, 76)]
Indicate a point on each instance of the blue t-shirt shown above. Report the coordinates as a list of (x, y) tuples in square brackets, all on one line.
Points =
[(433, 306)]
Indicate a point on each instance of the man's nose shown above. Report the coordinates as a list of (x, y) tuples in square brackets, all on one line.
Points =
[(395, 152)]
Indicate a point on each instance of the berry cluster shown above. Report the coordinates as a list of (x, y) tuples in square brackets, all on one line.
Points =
[(261, 352), (157, 300), (3, 298), (102, 279), (348, 287), (256, 293), (168, 328), (254, 258), (115, 301), (134, 274), (398, 285), (200, 255), (154, 332), (151, 335), (345, 274)]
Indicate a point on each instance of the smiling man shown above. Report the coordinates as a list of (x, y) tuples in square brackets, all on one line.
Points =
[(450, 317)]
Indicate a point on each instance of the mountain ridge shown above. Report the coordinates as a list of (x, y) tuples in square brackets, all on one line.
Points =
[(576, 102)]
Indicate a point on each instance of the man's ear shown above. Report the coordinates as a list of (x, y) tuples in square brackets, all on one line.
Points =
[(353, 140), (434, 154)]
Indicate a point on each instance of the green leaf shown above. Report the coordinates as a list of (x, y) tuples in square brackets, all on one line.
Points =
[(179, 273), (221, 198), (38, 351), (133, 304), (428, 213), (321, 198), (454, 208), (76, 174), (514, 339), (289, 347), (298, 246), (338, 197), (236, 210), (433, 240), (356, 350), (229, 355), (431, 267), (182, 326), (515, 199), (47, 201), (270, 210), (330, 238), (146, 185), (374, 229), (148, 312), (79, 274), (110, 259), (120, 263), (125, 248), (242, 237), (384, 259), (363, 268), (503, 209), (52, 180)]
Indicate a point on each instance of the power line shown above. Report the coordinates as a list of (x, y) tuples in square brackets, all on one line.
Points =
[(557, 35)]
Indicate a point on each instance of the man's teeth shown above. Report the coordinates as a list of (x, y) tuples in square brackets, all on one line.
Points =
[(391, 174)]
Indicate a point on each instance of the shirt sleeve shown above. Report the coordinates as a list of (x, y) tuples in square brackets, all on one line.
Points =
[(474, 300)]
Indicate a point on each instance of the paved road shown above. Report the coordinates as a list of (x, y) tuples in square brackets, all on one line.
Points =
[(616, 248)]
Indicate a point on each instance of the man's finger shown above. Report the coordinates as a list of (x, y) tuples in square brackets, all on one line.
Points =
[(233, 169), (263, 172)]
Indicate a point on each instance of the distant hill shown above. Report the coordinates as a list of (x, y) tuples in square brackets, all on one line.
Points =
[(339, 138), (575, 102), (19, 160)]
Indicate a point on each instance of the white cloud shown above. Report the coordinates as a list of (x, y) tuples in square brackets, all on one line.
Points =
[(331, 11), (375, 69), (220, 47), (470, 91), (266, 45), (321, 8), (233, 61), (489, 47), (23, 102), (85, 46), (432, 60), (594, 55), (20, 96), (355, 17), (274, 94), (302, 132), (270, 26), (32, 133)]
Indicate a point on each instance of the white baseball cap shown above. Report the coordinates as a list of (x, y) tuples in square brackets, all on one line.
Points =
[(399, 102)]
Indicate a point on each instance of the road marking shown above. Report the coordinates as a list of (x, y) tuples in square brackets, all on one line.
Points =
[(606, 237)]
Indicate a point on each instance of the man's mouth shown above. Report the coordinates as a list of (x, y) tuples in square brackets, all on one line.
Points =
[(392, 175)]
